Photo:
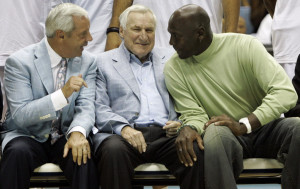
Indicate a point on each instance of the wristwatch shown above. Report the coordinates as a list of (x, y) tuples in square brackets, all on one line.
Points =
[(246, 122)]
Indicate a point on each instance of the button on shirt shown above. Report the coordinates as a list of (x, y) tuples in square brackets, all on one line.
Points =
[(153, 110), (58, 99)]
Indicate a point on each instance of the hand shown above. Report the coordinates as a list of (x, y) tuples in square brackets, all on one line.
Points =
[(135, 138), (80, 148), (171, 128), (184, 145), (113, 41), (73, 84), (236, 128)]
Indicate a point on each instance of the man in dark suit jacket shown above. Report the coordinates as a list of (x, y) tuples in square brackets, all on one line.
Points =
[(33, 77), (134, 112)]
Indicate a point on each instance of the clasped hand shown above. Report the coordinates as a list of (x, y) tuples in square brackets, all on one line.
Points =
[(236, 128), (171, 128)]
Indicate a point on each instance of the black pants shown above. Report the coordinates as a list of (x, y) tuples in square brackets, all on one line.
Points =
[(278, 139), (23, 154), (117, 160)]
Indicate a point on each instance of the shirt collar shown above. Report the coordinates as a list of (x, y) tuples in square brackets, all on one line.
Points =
[(54, 57), (131, 57)]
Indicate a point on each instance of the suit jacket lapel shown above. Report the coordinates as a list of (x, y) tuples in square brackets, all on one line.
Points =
[(124, 69), (43, 66), (73, 69), (158, 67)]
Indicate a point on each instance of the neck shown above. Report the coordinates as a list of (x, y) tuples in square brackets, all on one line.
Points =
[(55, 46)]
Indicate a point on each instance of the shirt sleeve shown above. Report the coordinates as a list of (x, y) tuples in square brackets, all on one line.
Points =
[(189, 108), (78, 129), (280, 95), (58, 99)]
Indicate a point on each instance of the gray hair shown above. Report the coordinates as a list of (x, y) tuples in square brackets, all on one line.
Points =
[(134, 8), (61, 18)]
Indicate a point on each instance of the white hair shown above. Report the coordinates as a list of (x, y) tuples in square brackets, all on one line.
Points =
[(61, 18), (134, 8)]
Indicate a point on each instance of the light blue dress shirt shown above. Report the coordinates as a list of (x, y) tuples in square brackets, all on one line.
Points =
[(153, 110)]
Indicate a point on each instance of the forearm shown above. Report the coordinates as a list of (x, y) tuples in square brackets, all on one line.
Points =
[(231, 9), (118, 7), (270, 6)]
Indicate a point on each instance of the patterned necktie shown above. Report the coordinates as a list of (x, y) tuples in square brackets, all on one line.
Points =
[(60, 81)]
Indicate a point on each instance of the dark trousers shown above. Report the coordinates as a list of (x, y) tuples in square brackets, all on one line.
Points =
[(23, 154), (117, 160), (278, 139)]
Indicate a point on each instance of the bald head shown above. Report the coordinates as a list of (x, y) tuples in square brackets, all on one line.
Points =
[(191, 16), (190, 30)]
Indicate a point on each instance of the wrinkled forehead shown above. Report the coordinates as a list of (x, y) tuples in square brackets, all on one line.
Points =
[(140, 18)]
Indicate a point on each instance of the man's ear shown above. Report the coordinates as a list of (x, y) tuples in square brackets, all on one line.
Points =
[(60, 34), (121, 32), (200, 32)]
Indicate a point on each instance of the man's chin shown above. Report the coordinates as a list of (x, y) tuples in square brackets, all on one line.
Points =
[(181, 56)]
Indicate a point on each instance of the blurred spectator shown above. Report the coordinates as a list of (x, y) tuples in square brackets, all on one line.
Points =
[(264, 31), (257, 14), (163, 10), (285, 32), (242, 27), (245, 11)]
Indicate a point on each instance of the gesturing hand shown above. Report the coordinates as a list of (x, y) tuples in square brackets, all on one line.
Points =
[(171, 128), (135, 138), (236, 128), (184, 145), (73, 84), (80, 148)]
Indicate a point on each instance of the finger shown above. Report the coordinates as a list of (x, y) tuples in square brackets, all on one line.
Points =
[(85, 84), (89, 151), (80, 82), (170, 126), (144, 145), (139, 140), (76, 87), (183, 153), (80, 75), (171, 133), (223, 123), (187, 152), (179, 151), (74, 154), (84, 154), (66, 150), (133, 143), (191, 152), (200, 142), (79, 155)]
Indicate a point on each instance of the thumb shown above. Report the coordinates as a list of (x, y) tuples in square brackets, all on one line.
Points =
[(66, 150), (200, 143)]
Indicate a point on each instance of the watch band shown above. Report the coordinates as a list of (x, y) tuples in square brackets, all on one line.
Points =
[(246, 122), (112, 29)]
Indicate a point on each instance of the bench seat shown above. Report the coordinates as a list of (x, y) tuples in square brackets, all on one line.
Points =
[(256, 170)]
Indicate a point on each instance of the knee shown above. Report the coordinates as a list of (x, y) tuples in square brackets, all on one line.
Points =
[(17, 148), (113, 146), (220, 138)]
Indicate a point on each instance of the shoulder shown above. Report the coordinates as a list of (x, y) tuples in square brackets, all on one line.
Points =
[(163, 52), (24, 56)]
